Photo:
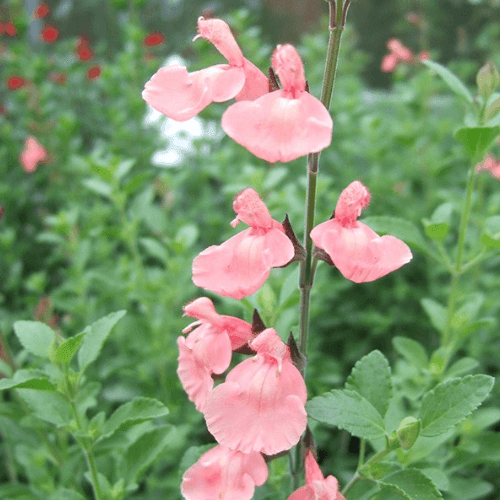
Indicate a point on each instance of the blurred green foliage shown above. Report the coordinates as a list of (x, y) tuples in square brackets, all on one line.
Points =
[(99, 228)]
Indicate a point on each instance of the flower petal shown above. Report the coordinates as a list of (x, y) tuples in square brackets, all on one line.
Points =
[(251, 210), (288, 65), (277, 128), (181, 95), (256, 83)]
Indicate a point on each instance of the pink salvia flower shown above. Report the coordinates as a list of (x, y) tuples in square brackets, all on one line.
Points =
[(260, 406), (284, 124), (181, 95), (357, 251), (241, 265), (399, 50), (32, 154), (224, 474), (316, 487), (389, 63), (207, 349), (490, 165)]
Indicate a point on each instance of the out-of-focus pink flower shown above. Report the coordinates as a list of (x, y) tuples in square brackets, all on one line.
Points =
[(207, 349), (357, 251), (260, 406), (317, 487), (93, 72), (181, 95), (15, 82), (284, 124), (8, 29), (398, 53), (49, 34), (32, 154), (83, 51), (241, 265), (491, 165), (41, 10), (423, 55), (224, 474), (154, 39)]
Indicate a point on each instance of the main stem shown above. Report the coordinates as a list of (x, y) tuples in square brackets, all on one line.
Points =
[(308, 265)]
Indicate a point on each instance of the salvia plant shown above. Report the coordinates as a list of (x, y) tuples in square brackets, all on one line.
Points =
[(413, 425)]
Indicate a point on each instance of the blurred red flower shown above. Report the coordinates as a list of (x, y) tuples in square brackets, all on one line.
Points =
[(41, 10), (153, 39), (15, 82), (60, 78), (49, 34), (93, 72), (8, 29), (83, 51)]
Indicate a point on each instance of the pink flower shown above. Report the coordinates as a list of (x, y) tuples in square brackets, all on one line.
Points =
[(491, 165), (389, 63), (181, 95), (316, 487), (241, 265), (207, 349), (357, 251), (398, 53), (284, 124), (260, 406), (224, 474), (423, 55), (32, 154)]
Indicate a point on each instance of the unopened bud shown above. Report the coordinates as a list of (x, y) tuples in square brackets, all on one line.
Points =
[(487, 80), (408, 432)]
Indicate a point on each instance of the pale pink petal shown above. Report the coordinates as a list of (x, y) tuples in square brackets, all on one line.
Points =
[(288, 66), (219, 34), (423, 55), (224, 474), (237, 268), (280, 247), (259, 407), (251, 210), (239, 331), (32, 154), (181, 95), (277, 128), (389, 63), (194, 376), (202, 309), (358, 252), (353, 199), (256, 83), (313, 472)]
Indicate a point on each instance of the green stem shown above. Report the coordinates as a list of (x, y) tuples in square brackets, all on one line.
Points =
[(457, 268), (338, 11)]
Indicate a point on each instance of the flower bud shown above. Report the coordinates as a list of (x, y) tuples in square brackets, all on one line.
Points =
[(487, 80), (492, 109), (408, 432)]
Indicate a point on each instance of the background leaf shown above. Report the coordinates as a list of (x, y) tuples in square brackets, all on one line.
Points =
[(452, 401), (453, 82), (413, 351), (35, 337), (414, 483)]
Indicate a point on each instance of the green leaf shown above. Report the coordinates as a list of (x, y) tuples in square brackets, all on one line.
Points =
[(347, 410), (132, 413), (124, 168), (470, 488), (491, 232), (452, 401), (48, 406), (98, 186), (414, 483), (95, 335), (438, 477), (436, 313), (477, 140), (463, 365), (400, 228), (371, 378), (154, 248), (413, 351), (27, 379), (439, 224), (35, 337), (391, 492), (453, 82), (144, 452), (68, 348), (66, 494)]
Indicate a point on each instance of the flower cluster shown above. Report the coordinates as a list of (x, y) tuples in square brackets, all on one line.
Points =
[(280, 125), (398, 53), (32, 154), (259, 408)]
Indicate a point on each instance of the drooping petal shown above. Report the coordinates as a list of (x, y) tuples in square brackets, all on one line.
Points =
[(359, 253), (237, 268), (288, 66), (181, 95), (224, 474), (278, 128), (256, 83), (217, 32), (259, 407)]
